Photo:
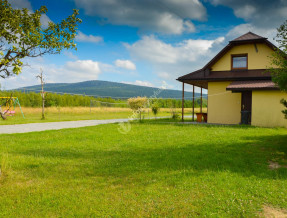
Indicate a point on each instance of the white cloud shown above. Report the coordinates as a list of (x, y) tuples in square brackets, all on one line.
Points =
[(246, 11), (81, 37), (71, 71), (164, 16), (19, 4), (140, 83), (172, 60), (241, 29), (151, 49), (126, 64), (261, 14), (70, 55), (262, 17), (82, 69), (45, 21)]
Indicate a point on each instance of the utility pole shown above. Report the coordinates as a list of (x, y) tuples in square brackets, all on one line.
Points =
[(40, 76)]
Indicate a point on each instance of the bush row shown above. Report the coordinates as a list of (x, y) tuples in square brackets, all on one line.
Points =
[(32, 99)]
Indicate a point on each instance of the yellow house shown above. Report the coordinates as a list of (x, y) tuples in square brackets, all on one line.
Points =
[(240, 89)]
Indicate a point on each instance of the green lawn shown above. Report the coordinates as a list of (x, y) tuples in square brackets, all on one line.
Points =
[(154, 170), (54, 116), (33, 115)]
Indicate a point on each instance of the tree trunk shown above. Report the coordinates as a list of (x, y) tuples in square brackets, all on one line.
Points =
[(3, 116), (43, 106)]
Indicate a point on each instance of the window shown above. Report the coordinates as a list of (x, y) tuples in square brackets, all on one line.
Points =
[(239, 61)]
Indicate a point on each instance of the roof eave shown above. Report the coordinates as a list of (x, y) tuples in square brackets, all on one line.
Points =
[(226, 79), (248, 40), (250, 89)]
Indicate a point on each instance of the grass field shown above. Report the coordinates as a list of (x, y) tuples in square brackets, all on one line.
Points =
[(54, 114), (154, 170)]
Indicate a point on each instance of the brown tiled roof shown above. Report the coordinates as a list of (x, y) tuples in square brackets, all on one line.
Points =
[(227, 75), (201, 78), (251, 85), (248, 36)]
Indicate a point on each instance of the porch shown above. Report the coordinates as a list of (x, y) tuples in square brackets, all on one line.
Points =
[(201, 117)]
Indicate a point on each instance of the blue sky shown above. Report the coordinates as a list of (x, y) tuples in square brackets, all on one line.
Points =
[(146, 42)]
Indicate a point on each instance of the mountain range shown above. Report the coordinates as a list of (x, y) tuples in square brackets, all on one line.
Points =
[(100, 88)]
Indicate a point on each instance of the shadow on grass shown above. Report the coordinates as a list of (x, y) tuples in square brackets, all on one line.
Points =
[(248, 157), (169, 121)]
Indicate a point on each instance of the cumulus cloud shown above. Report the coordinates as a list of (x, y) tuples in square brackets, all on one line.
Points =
[(82, 69), (45, 20), (154, 50), (81, 37), (244, 28), (171, 60), (126, 64), (164, 16), (71, 71), (70, 55), (262, 13), (140, 83), (20, 4), (262, 16)]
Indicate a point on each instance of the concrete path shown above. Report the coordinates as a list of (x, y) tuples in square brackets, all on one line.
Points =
[(38, 127)]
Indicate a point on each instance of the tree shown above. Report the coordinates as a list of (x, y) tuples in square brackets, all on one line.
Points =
[(22, 35), (137, 104), (279, 62), (40, 76)]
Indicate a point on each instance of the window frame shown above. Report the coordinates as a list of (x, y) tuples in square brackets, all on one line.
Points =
[(239, 55)]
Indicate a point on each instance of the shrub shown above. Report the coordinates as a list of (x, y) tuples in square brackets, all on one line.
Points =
[(155, 109), (137, 104)]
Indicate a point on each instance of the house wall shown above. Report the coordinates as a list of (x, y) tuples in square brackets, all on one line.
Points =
[(256, 60), (223, 106), (266, 109)]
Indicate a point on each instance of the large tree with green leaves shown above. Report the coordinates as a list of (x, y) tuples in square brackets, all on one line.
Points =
[(22, 35), (279, 62)]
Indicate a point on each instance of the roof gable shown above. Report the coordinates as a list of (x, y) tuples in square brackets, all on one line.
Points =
[(248, 36), (200, 77), (244, 39)]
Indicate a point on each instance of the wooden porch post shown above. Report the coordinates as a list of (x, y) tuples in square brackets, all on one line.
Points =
[(200, 99), (182, 106), (192, 102)]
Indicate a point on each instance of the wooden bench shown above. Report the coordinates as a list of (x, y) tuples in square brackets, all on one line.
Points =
[(200, 115)]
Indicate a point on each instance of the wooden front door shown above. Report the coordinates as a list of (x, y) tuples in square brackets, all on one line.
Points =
[(246, 105), (246, 101)]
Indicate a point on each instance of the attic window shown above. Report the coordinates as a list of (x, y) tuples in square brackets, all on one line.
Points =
[(239, 61)]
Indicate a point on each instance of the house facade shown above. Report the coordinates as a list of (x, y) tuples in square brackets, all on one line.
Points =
[(240, 89)]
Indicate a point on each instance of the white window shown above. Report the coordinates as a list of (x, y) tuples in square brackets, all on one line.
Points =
[(239, 61)]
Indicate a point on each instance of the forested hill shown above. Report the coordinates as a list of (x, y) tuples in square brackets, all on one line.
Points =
[(108, 89)]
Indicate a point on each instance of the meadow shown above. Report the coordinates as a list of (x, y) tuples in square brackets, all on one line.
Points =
[(54, 114), (154, 170)]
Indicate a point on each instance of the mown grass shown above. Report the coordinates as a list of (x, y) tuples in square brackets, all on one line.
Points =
[(55, 114), (154, 170)]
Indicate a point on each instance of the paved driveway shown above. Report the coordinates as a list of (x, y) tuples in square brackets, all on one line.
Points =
[(36, 127)]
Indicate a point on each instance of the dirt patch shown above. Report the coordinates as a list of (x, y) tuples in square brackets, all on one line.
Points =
[(274, 165), (269, 212)]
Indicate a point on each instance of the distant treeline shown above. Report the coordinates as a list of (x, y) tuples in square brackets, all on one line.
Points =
[(176, 103), (33, 99)]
